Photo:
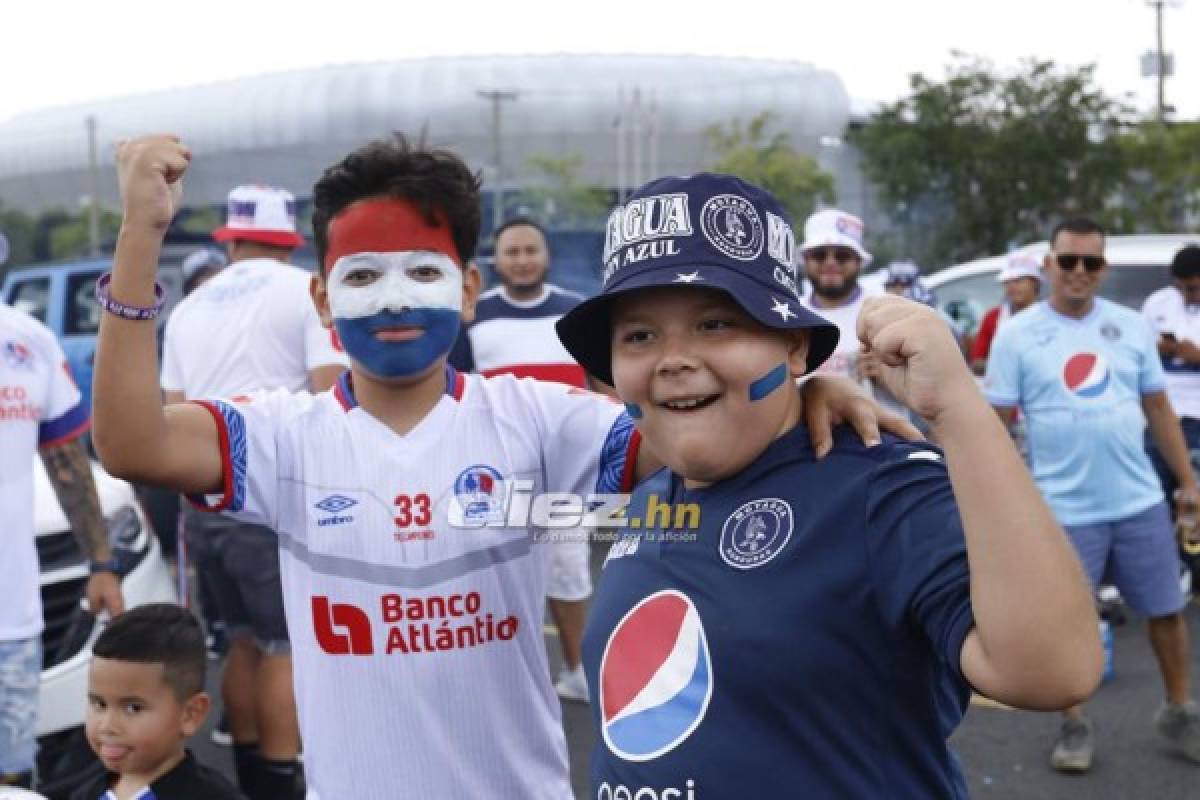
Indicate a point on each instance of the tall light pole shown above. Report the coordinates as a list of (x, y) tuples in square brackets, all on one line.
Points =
[(1159, 64), (93, 189), (496, 97)]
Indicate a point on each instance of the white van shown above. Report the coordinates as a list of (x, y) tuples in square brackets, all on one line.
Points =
[(63, 755), (1140, 264)]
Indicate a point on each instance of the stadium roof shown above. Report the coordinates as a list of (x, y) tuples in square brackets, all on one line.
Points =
[(630, 117)]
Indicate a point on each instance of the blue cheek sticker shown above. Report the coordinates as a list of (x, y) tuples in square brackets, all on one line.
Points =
[(768, 383), (399, 359), (635, 412)]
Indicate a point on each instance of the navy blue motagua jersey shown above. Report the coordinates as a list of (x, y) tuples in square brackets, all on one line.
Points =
[(802, 640)]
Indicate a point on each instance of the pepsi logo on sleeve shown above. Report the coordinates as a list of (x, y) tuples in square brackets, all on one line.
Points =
[(655, 677), (1086, 375)]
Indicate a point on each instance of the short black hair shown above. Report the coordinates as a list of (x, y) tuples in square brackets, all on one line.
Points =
[(517, 222), (159, 633), (1079, 225), (432, 179), (1186, 263)]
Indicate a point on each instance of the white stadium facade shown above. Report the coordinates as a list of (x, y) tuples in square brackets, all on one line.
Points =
[(630, 118)]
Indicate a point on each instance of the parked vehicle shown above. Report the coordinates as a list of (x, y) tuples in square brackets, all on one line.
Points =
[(1139, 265), (63, 296), (63, 755)]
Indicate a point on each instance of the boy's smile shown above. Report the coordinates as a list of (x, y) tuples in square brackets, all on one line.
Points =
[(690, 363)]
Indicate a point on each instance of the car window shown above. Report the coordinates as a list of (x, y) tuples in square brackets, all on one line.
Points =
[(1131, 284), (31, 296), (83, 312), (966, 300)]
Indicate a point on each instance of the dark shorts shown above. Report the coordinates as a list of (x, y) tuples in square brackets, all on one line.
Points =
[(238, 564)]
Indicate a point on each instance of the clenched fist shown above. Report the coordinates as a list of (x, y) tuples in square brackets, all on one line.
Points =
[(916, 356), (150, 173)]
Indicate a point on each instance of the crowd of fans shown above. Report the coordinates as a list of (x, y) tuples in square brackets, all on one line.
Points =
[(321, 427)]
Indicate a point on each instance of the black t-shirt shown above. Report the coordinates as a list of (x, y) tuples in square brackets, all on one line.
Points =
[(189, 780)]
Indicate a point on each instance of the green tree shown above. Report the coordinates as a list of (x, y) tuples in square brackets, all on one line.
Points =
[(982, 160), (69, 237), (201, 220), (770, 161), (558, 195), (17, 227), (1162, 189)]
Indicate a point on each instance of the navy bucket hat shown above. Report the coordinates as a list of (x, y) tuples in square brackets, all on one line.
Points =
[(708, 231)]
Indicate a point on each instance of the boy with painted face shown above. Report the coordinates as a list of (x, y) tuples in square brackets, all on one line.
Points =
[(395, 286), (822, 615), (414, 600)]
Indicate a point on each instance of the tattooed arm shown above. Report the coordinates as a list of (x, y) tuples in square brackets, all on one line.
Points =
[(70, 473)]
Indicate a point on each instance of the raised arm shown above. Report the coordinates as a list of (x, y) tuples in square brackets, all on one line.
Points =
[(1035, 642), (135, 436)]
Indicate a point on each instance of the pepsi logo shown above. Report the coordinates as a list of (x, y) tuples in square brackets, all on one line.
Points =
[(655, 677), (1086, 375)]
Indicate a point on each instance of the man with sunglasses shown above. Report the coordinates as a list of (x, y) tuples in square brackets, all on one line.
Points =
[(1086, 375), (834, 256)]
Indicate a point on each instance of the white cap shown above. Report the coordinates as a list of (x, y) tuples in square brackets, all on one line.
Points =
[(1020, 265), (832, 227), (261, 214)]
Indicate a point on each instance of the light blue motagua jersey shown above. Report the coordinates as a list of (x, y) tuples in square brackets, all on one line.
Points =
[(1079, 383)]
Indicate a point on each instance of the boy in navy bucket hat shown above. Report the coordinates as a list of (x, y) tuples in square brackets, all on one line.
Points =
[(738, 240), (820, 615)]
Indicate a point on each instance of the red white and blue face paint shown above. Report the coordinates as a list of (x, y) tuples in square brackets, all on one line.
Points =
[(395, 287)]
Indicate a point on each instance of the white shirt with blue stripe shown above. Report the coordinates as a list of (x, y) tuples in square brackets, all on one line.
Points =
[(1079, 383)]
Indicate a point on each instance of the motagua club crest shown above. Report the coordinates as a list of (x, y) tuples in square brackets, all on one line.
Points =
[(756, 533), (732, 225)]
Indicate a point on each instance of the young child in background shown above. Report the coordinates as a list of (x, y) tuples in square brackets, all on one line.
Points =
[(145, 698)]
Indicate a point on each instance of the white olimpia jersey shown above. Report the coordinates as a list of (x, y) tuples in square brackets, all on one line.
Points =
[(419, 658)]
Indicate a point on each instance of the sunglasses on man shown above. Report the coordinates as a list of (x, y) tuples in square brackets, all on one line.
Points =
[(841, 255), (1068, 262)]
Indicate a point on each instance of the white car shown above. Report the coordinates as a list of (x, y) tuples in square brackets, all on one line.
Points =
[(1140, 265), (63, 756)]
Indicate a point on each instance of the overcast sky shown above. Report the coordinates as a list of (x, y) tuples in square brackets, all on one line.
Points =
[(55, 53)]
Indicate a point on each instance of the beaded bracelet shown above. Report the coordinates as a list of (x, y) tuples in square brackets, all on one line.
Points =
[(124, 310)]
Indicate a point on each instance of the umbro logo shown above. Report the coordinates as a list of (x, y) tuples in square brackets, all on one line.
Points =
[(335, 503)]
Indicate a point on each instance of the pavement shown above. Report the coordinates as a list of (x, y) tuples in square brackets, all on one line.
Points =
[(1005, 753)]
